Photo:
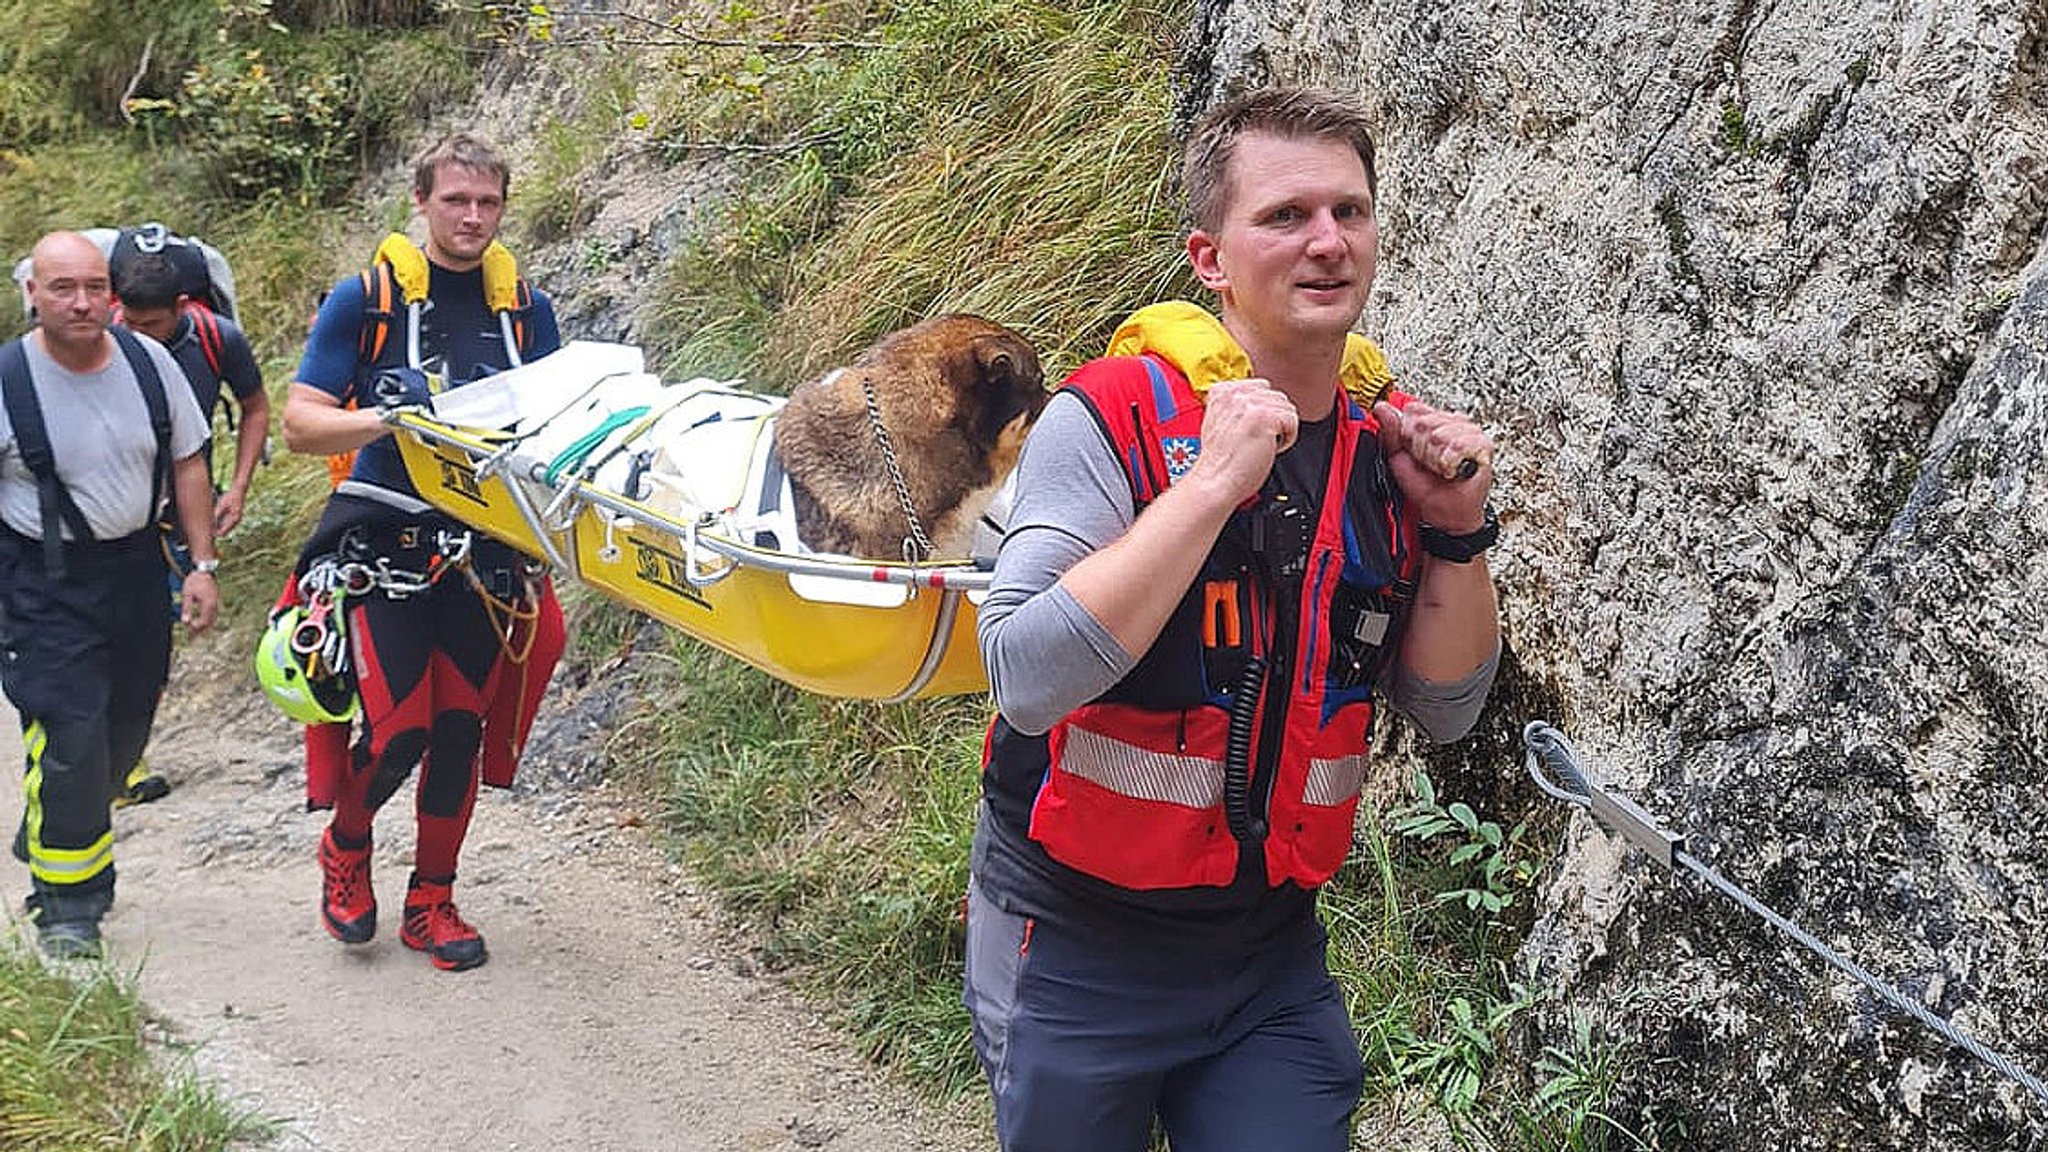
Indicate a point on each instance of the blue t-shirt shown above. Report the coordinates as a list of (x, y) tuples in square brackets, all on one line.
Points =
[(460, 341), (237, 362)]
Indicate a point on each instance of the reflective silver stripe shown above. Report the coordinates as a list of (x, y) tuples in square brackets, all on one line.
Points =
[(1129, 770), (1334, 782), (69, 865)]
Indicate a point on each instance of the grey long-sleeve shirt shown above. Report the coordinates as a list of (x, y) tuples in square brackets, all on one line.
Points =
[(1044, 653)]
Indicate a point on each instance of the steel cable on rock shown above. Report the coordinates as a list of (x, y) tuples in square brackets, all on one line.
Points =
[(1546, 744)]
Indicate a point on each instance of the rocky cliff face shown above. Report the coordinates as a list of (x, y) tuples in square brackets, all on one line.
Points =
[(1756, 298)]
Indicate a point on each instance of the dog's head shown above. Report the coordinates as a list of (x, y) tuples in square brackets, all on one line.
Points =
[(956, 395), (988, 375)]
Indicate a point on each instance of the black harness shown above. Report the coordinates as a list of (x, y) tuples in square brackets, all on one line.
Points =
[(32, 439)]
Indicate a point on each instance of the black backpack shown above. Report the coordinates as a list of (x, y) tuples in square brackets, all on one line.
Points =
[(202, 271)]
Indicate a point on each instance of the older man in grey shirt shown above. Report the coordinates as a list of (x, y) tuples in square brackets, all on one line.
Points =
[(97, 428)]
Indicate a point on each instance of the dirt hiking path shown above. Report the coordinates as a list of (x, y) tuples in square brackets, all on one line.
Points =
[(614, 1014)]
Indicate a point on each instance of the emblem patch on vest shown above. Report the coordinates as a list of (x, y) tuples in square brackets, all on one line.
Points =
[(1181, 453)]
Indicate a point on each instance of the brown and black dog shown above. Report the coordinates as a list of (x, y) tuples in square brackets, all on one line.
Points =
[(955, 393)]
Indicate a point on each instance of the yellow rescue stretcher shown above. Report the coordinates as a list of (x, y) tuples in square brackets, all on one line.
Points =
[(669, 499)]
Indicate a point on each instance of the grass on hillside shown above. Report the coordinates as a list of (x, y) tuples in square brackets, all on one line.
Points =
[(896, 185), (76, 1071)]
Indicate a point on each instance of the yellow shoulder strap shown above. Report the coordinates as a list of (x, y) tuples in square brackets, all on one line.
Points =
[(501, 279), (409, 268), (1188, 336), (1198, 344), (1364, 371)]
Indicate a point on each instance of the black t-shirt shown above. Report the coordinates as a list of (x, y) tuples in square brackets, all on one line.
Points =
[(461, 340)]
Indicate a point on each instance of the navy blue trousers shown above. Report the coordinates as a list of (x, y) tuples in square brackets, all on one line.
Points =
[(83, 659), (1087, 1036)]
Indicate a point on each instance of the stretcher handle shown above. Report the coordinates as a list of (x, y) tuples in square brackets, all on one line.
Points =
[(698, 574)]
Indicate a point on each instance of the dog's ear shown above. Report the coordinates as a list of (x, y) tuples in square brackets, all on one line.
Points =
[(1009, 378), (995, 359)]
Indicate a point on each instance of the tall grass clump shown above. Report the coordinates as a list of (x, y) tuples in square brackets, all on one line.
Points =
[(83, 182), (76, 1070), (1001, 158)]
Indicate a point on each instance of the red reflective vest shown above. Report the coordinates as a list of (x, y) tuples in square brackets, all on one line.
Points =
[(1133, 787)]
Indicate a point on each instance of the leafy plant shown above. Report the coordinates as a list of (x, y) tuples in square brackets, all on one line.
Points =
[(1574, 1081), (1486, 868), (1452, 1059), (268, 110), (266, 126)]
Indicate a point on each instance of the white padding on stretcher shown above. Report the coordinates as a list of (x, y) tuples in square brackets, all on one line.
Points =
[(698, 454), (539, 389)]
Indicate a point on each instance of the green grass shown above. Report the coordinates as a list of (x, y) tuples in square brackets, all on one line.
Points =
[(898, 187), (78, 1072), (840, 829)]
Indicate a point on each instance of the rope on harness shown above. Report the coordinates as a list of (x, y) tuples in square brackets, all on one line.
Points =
[(1575, 786), (331, 577), (353, 569), (506, 617)]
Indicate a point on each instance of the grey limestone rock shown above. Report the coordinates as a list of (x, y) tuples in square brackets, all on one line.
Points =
[(1755, 298)]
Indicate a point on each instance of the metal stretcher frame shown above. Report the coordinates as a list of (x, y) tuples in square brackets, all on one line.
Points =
[(801, 618)]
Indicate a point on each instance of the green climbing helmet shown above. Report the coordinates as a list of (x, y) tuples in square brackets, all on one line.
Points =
[(287, 677)]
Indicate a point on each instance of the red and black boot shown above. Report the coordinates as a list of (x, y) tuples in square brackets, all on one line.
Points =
[(432, 925), (348, 906)]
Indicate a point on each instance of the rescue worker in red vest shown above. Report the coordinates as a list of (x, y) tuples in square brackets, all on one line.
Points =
[(1228, 537), (433, 650), (98, 427)]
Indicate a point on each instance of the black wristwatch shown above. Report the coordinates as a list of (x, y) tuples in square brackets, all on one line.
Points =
[(1461, 549)]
